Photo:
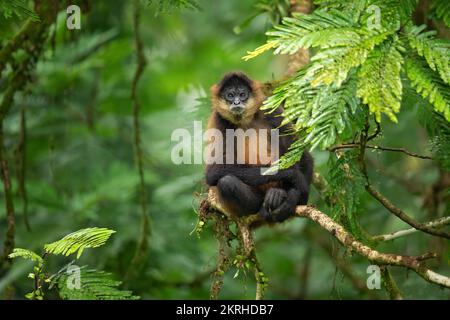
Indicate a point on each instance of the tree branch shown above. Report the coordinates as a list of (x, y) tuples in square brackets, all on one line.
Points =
[(357, 145), (405, 232), (409, 262), (324, 221), (138, 153), (403, 216)]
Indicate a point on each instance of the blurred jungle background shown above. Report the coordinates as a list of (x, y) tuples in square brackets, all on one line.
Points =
[(71, 102)]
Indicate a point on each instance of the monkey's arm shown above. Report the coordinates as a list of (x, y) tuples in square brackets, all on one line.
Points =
[(250, 175)]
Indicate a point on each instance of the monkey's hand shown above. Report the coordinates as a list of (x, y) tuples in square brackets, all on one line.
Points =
[(273, 199), (287, 208)]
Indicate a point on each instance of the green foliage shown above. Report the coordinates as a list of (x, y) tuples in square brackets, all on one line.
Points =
[(441, 10), (379, 85), (438, 129), (77, 241), (276, 10), (17, 8), (165, 6), (93, 285), (74, 283), (348, 41), (435, 51), (428, 83), (80, 168), (322, 115), (26, 254), (346, 187)]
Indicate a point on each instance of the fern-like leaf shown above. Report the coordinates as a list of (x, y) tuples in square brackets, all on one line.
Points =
[(438, 129), (77, 241), (331, 112), (93, 285), (26, 254), (429, 85), (441, 10), (435, 51), (18, 8), (346, 186), (379, 83), (332, 65)]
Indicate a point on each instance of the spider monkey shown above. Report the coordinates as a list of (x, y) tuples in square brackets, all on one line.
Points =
[(241, 188)]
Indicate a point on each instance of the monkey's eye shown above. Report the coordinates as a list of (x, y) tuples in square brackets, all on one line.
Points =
[(230, 95), (243, 95)]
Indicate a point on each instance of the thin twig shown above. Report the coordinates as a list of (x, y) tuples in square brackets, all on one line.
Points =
[(403, 216), (401, 233), (362, 145), (403, 150), (376, 133)]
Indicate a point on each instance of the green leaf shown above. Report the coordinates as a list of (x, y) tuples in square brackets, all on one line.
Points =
[(428, 83), (441, 9), (18, 8), (94, 285), (435, 51), (345, 187), (26, 254), (77, 241), (379, 83)]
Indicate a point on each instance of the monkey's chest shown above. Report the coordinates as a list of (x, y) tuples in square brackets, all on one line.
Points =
[(251, 146), (257, 149), (255, 144)]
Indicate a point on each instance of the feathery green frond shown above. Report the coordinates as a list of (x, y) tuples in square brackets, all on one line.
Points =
[(441, 10), (93, 285), (77, 241), (332, 65), (323, 115), (330, 113), (346, 186), (18, 8), (320, 28), (440, 146), (428, 83), (379, 83), (359, 53), (438, 129), (394, 13), (435, 51), (26, 254)]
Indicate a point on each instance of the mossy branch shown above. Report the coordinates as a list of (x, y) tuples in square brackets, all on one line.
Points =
[(415, 263), (138, 152)]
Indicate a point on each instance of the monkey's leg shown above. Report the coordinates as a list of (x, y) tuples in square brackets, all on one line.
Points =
[(238, 196)]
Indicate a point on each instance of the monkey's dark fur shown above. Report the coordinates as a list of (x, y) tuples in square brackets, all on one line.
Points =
[(241, 188)]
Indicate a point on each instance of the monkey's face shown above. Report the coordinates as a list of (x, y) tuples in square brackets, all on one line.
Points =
[(236, 96)]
